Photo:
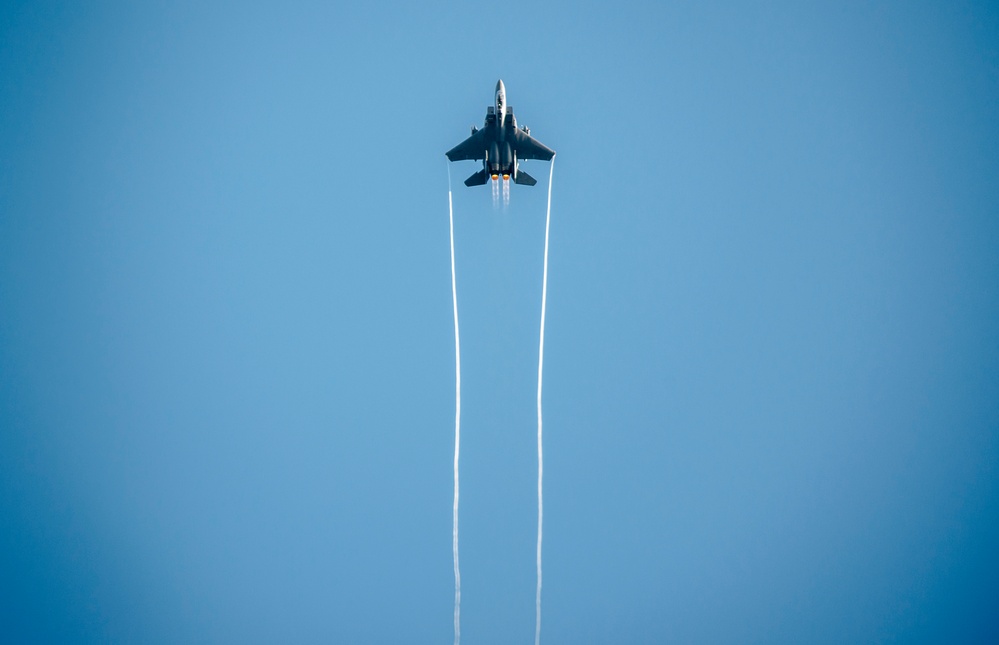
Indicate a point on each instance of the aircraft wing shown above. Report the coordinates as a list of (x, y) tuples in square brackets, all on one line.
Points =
[(474, 147), (528, 147)]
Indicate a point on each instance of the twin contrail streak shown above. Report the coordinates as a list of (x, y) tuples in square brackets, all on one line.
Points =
[(541, 362), (457, 405), (457, 417)]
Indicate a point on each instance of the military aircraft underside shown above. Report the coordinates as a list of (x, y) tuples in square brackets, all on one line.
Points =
[(501, 145)]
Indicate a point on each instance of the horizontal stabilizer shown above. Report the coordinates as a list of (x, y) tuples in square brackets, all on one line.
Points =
[(477, 179), (525, 179)]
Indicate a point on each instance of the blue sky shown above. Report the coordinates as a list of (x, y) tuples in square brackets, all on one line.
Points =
[(772, 347)]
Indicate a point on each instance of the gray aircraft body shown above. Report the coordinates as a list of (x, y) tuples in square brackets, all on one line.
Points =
[(501, 145)]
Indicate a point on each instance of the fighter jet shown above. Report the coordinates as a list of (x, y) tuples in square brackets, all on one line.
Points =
[(501, 145)]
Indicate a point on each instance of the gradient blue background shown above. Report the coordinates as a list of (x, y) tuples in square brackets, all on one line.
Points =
[(226, 346)]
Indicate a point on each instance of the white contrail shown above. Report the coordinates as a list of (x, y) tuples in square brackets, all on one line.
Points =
[(506, 193), (495, 186), (541, 362), (457, 419)]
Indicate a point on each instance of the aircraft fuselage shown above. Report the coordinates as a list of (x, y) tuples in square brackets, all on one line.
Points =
[(501, 159)]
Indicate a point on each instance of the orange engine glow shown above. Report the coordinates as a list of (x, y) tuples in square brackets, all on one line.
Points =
[(506, 176), (495, 177)]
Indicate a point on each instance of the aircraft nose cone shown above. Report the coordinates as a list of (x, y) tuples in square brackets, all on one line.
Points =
[(499, 86)]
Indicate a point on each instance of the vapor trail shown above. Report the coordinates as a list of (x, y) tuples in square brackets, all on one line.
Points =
[(541, 362), (506, 193), (495, 186), (457, 418)]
